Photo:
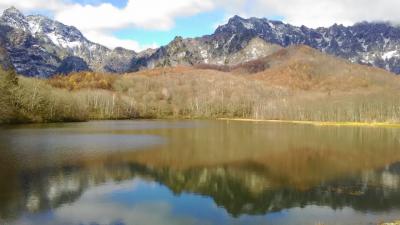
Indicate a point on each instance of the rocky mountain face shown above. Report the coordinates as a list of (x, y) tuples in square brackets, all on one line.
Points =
[(38, 46), (376, 44), (241, 40), (5, 61), (205, 50)]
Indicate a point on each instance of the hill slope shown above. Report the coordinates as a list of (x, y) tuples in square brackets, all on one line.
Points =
[(302, 67)]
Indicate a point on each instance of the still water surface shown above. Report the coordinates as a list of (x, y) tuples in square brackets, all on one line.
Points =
[(198, 172)]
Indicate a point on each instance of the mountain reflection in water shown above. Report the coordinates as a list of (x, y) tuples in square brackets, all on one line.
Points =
[(198, 172)]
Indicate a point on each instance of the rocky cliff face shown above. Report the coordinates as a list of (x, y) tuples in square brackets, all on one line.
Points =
[(238, 41), (39, 46), (205, 50), (376, 44)]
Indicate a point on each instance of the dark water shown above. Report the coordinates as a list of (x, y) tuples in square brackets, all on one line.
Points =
[(198, 172)]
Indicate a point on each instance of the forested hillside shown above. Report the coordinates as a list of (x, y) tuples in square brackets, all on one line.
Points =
[(183, 92)]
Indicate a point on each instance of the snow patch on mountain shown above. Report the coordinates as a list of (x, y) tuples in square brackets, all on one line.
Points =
[(390, 54), (34, 27), (61, 42), (248, 26)]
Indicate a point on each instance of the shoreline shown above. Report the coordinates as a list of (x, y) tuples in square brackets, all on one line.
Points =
[(301, 122), (320, 123)]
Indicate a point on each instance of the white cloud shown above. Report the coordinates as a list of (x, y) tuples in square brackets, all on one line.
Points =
[(223, 21), (97, 22), (322, 12), (28, 5), (112, 42), (96, 206), (149, 14)]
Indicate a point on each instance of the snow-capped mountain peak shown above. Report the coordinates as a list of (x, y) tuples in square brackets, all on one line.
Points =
[(14, 18), (61, 35)]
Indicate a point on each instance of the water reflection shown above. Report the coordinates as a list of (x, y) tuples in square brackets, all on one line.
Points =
[(198, 172)]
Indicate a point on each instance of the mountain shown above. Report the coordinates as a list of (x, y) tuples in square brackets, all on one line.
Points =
[(375, 44), (204, 50), (303, 67), (5, 61), (299, 67), (38, 46)]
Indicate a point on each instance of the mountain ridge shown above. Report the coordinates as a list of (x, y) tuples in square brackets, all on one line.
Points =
[(39, 46)]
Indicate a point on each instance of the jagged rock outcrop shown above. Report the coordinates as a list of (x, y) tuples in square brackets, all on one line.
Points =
[(119, 60), (39, 46)]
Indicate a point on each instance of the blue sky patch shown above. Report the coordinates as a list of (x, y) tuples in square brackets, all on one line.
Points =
[(117, 3), (187, 27)]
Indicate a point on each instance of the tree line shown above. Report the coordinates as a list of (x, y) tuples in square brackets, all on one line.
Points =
[(187, 94)]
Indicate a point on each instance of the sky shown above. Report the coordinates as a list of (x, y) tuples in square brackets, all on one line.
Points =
[(142, 24)]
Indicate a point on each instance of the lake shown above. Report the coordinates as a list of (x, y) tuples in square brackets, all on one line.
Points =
[(198, 172)]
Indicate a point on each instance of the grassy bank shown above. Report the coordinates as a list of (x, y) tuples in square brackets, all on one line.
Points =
[(187, 93), (320, 123)]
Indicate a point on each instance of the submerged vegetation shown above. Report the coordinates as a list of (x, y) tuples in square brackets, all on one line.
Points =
[(185, 93)]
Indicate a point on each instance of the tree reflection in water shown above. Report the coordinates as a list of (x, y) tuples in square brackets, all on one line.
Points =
[(248, 170)]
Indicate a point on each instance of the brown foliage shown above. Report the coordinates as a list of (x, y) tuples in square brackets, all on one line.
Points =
[(84, 80), (222, 68)]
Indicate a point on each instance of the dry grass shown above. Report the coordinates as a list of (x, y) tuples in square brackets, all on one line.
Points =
[(320, 123)]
